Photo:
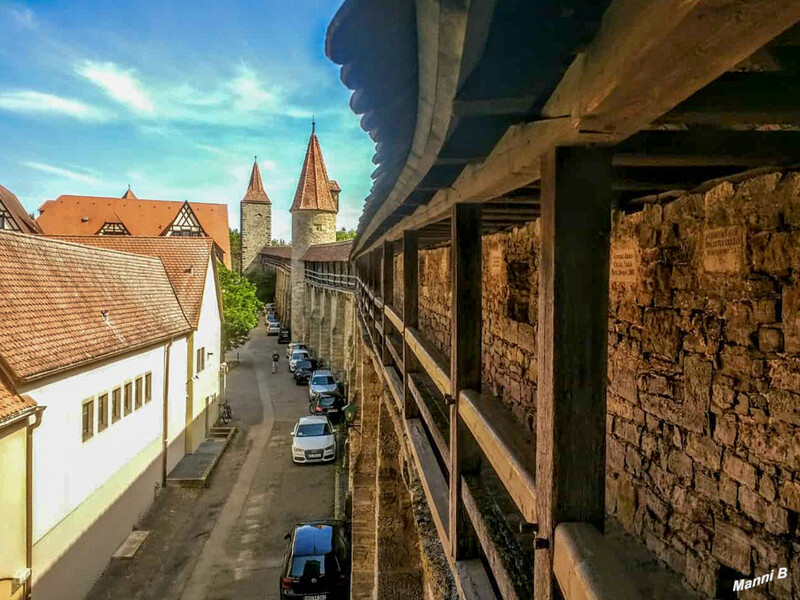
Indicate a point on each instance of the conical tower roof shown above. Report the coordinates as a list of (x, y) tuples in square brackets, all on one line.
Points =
[(129, 195), (255, 191), (314, 188)]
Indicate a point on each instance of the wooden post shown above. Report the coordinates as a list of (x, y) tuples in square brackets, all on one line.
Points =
[(387, 291), (573, 323), (410, 315), (465, 364)]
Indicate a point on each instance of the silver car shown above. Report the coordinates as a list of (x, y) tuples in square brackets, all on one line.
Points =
[(295, 346), (321, 381), (313, 440), (297, 356)]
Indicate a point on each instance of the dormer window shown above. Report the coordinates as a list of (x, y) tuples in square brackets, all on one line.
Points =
[(113, 228), (6, 222), (185, 224)]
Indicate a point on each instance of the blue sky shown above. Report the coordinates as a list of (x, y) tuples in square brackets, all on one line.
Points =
[(175, 99)]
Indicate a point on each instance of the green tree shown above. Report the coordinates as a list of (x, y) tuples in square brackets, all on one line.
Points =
[(264, 282), (280, 242), (343, 234), (236, 250), (240, 305)]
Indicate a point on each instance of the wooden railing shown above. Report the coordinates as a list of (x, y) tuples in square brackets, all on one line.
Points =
[(332, 280), (277, 263), (583, 566)]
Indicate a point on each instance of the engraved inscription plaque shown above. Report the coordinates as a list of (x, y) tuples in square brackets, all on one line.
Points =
[(496, 261), (624, 266), (723, 249)]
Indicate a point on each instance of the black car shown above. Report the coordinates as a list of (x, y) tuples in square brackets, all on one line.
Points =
[(328, 404), (303, 370), (316, 565), (284, 336)]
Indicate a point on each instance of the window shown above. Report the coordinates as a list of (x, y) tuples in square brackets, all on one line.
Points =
[(116, 405), (518, 275), (139, 391), (148, 387), (6, 222), (102, 412), (201, 359), (128, 398), (113, 228), (87, 422)]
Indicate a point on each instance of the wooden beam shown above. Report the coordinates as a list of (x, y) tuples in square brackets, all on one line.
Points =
[(430, 359), (427, 416), (433, 481), (645, 59), (387, 291), (515, 471), (394, 384), (395, 319), (465, 364), (398, 360), (493, 556), (410, 316), (573, 324)]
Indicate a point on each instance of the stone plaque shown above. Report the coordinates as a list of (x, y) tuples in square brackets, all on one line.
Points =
[(496, 261), (624, 263), (723, 249)]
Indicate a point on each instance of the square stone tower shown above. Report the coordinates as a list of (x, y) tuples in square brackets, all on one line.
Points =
[(314, 209), (256, 219)]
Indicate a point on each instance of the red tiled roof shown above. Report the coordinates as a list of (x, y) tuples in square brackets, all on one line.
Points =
[(12, 404), (66, 305), (18, 212), (85, 215), (314, 188), (332, 252), (255, 190), (185, 259), (277, 251)]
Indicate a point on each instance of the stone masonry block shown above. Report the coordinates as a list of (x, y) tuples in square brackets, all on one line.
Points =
[(789, 495), (739, 470), (703, 449), (732, 547)]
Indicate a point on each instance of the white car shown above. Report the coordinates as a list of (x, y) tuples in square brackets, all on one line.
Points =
[(273, 328), (313, 440), (295, 346), (297, 356)]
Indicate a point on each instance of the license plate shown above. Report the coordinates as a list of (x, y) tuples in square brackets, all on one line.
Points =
[(317, 597), (314, 455)]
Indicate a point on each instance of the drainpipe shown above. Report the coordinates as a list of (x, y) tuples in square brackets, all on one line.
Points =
[(165, 425), (29, 501)]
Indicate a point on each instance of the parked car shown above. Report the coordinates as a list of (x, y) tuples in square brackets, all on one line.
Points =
[(273, 328), (303, 371), (313, 440), (272, 317), (321, 381), (295, 345), (316, 562), (284, 336), (297, 356), (329, 404)]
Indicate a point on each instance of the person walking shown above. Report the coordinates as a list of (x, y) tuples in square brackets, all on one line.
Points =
[(275, 357)]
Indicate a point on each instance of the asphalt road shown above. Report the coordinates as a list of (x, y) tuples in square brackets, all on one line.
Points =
[(227, 541)]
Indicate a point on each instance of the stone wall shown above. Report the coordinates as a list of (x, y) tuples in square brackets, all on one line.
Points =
[(703, 452), (510, 304), (396, 550), (703, 448)]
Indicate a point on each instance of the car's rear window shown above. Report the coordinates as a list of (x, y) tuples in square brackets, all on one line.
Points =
[(299, 355), (313, 430), (308, 566), (327, 401), (304, 364), (323, 380)]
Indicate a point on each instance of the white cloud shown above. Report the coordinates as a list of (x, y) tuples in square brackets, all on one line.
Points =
[(268, 165), (119, 84), (23, 16), (31, 102), (65, 173), (249, 95)]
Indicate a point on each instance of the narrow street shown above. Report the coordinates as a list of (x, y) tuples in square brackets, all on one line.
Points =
[(226, 541)]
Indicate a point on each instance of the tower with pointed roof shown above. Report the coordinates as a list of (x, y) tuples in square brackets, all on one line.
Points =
[(314, 209), (256, 218)]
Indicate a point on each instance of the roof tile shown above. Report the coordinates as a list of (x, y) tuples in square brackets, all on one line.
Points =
[(332, 252), (65, 304)]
